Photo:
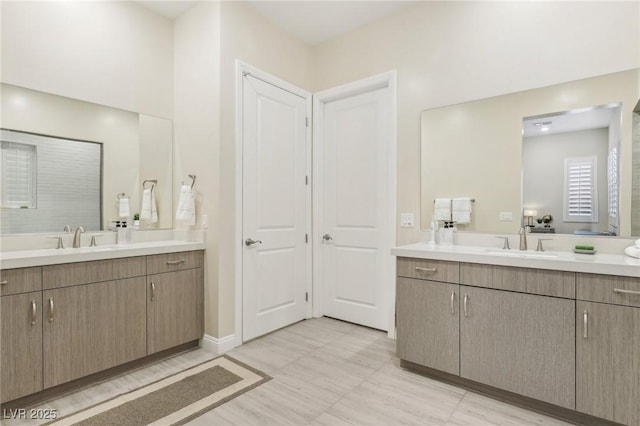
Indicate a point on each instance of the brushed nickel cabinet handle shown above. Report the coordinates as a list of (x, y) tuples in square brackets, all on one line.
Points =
[(174, 262), (453, 298), (585, 328), (51, 317), (419, 269), (153, 291), (623, 291), (4, 282), (34, 310), (464, 303)]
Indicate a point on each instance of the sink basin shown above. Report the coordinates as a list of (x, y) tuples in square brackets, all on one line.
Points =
[(518, 253)]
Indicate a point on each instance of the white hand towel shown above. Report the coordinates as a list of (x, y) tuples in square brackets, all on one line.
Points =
[(186, 212), (123, 208), (149, 211), (442, 209), (461, 210)]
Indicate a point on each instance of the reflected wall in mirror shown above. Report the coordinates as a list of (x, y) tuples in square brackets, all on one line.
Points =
[(49, 183), (635, 173), (475, 149), (135, 147)]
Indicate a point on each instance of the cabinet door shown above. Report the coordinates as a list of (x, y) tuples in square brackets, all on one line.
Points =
[(89, 328), (21, 365), (174, 308), (521, 343), (428, 323), (608, 361)]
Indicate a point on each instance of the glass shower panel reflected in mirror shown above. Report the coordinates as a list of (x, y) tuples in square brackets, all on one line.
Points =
[(635, 171), (570, 175), (49, 182)]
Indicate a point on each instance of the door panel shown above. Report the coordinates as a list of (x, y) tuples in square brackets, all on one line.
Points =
[(355, 204), (274, 208)]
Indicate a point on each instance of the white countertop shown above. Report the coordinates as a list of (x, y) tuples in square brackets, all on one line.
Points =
[(609, 264), (38, 257)]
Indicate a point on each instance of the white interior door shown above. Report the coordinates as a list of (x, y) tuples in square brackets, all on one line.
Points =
[(275, 258), (355, 205)]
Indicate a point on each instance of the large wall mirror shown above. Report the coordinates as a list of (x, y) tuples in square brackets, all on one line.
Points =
[(567, 156), (71, 160)]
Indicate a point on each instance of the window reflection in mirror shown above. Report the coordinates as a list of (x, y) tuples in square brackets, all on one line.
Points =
[(49, 182), (570, 170)]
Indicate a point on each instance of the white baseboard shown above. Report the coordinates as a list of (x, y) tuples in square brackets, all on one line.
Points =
[(217, 345)]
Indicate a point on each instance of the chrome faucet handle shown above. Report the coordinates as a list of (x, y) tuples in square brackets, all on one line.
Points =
[(93, 240), (506, 243), (60, 242), (67, 228), (540, 240)]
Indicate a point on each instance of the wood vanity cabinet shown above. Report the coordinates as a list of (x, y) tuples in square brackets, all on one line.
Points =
[(608, 347), (175, 301)]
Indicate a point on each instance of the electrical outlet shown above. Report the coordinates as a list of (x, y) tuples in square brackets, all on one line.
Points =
[(506, 216), (407, 220)]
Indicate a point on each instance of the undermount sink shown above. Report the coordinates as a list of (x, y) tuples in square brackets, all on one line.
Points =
[(519, 253)]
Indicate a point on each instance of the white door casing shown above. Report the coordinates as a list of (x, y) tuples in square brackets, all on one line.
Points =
[(275, 206), (354, 202)]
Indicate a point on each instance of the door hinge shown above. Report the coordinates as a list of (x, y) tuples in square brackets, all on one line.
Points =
[(306, 180), (306, 238), (306, 297), (306, 121)]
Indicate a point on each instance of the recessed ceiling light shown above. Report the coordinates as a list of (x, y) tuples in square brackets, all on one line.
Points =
[(544, 129)]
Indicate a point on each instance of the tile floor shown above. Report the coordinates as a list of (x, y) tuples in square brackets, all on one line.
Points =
[(325, 372)]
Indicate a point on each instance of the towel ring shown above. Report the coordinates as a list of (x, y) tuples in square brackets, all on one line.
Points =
[(121, 195), (152, 181)]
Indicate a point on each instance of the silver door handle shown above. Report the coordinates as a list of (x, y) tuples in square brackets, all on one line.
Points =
[(5, 282), (249, 242), (51, 309), (327, 237), (464, 304), (425, 269), (174, 262), (622, 291), (585, 329), (453, 298), (34, 310), (153, 291)]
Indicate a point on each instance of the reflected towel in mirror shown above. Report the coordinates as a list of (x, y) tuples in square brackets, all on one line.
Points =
[(123, 207), (442, 209), (149, 210), (186, 212), (461, 210)]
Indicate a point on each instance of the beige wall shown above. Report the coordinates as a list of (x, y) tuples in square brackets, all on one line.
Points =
[(117, 54), (451, 52)]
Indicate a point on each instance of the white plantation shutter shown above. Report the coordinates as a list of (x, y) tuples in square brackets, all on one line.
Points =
[(612, 182), (18, 171), (580, 190)]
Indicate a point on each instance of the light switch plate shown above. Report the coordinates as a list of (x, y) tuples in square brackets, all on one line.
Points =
[(205, 221), (506, 216), (407, 220)]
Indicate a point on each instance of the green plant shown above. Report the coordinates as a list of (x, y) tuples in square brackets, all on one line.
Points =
[(136, 216)]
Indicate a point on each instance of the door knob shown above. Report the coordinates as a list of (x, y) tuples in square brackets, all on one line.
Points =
[(327, 237), (249, 242)]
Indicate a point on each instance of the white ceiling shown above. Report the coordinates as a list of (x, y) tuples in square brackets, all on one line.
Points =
[(310, 21), (570, 121)]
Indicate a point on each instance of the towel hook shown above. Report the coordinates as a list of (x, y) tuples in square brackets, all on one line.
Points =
[(121, 195), (193, 182), (152, 181)]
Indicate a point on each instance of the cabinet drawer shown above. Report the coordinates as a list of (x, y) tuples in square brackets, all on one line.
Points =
[(160, 263), (427, 269), (524, 280), (56, 276), (609, 289), (22, 280)]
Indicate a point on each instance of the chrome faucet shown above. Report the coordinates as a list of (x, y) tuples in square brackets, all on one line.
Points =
[(76, 237), (523, 237)]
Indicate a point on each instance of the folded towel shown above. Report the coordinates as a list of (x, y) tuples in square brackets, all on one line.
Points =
[(123, 207), (442, 209), (632, 251), (186, 212), (461, 210), (149, 210)]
